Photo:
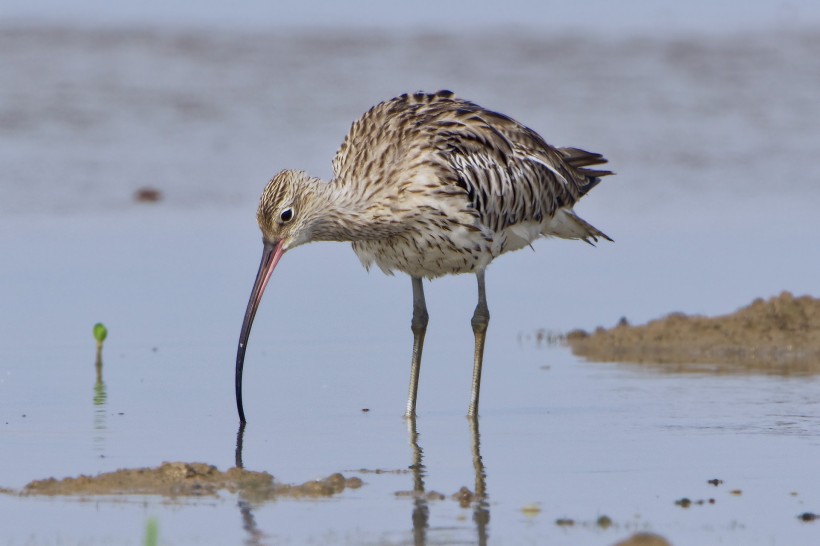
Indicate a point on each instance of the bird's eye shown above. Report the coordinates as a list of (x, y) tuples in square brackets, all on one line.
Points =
[(287, 215)]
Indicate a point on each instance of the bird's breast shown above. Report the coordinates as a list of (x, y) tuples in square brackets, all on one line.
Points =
[(429, 253)]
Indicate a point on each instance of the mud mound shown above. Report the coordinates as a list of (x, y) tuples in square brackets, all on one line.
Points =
[(188, 479), (780, 336)]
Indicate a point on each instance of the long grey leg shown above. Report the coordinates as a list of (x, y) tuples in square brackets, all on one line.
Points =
[(481, 318), (419, 327)]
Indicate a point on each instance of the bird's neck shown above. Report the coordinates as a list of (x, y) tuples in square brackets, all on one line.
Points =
[(341, 214)]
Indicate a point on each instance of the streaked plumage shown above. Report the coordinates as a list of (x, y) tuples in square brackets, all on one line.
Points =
[(430, 185)]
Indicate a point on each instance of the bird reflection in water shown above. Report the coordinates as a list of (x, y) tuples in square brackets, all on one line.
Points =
[(481, 508), (255, 535), (421, 510), (100, 397), (478, 499)]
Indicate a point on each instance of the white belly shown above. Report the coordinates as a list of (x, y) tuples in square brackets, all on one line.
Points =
[(429, 254)]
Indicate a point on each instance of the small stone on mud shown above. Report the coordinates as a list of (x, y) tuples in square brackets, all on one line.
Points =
[(565, 522), (683, 503), (464, 497), (531, 510), (644, 539), (808, 516), (736, 492), (604, 522), (147, 195)]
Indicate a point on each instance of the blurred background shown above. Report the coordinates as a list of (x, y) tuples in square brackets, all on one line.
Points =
[(205, 100)]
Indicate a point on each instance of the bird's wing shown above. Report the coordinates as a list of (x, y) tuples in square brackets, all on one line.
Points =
[(509, 173)]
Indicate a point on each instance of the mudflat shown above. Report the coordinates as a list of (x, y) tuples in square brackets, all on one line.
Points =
[(180, 479), (780, 335)]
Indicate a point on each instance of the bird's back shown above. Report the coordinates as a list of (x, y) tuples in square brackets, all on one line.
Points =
[(460, 176)]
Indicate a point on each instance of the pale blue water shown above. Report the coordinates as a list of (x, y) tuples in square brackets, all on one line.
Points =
[(714, 204), (593, 17)]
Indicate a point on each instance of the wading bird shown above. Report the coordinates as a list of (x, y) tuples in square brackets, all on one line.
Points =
[(430, 185)]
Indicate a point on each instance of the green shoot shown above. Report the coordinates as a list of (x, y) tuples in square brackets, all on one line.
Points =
[(100, 333), (151, 533)]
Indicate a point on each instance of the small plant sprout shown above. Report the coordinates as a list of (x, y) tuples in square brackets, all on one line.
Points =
[(151, 532), (100, 333)]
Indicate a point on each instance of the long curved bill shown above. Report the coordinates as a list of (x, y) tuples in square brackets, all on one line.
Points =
[(271, 254)]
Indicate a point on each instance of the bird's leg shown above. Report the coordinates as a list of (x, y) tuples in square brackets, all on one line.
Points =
[(419, 327), (481, 318)]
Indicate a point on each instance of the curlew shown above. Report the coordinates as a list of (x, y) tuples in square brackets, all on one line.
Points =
[(429, 185)]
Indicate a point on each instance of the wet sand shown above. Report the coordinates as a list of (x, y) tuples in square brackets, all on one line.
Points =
[(780, 335), (180, 479)]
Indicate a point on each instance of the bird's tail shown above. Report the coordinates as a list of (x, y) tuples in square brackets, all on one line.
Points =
[(579, 160), (567, 225)]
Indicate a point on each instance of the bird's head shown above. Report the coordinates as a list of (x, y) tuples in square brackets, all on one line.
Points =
[(283, 208), (284, 218)]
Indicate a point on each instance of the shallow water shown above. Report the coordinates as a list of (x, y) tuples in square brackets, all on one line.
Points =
[(710, 209)]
